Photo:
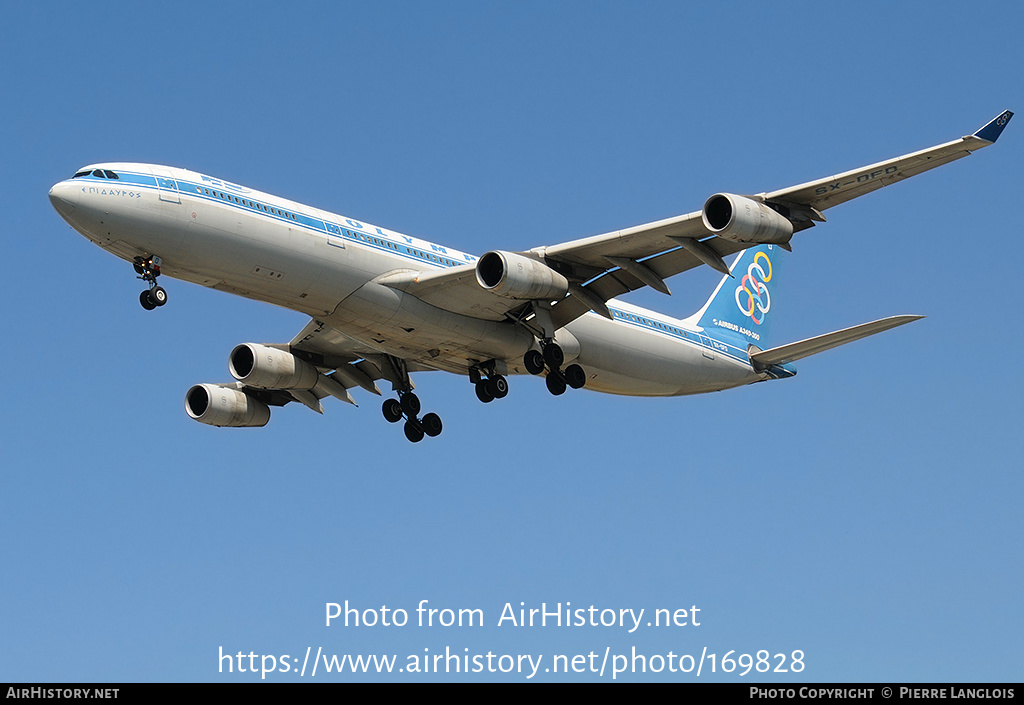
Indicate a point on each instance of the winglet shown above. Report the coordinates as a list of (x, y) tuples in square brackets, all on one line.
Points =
[(991, 131)]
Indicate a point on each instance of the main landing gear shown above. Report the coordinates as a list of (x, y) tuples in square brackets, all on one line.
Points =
[(490, 387), (148, 270), (407, 406), (551, 357)]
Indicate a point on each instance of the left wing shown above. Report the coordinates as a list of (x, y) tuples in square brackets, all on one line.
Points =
[(455, 289), (668, 247), (602, 267)]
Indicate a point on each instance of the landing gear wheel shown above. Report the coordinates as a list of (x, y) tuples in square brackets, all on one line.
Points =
[(534, 362), (483, 391), (556, 383), (553, 355), (392, 410), (575, 377), (431, 424), (148, 270), (411, 406), (413, 431), (497, 386)]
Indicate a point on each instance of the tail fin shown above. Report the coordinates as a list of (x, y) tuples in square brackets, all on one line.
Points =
[(743, 304)]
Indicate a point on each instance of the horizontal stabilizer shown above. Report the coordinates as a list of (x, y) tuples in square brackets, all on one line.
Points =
[(795, 351)]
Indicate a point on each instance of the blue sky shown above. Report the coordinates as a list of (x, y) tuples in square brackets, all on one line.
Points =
[(865, 513)]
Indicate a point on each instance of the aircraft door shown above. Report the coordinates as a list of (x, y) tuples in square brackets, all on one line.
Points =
[(167, 186), (706, 348)]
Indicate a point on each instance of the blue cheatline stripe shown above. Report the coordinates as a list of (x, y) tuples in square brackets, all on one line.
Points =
[(330, 229), (695, 339)]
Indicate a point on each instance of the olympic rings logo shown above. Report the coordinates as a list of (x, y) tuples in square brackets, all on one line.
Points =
[(752, 297)]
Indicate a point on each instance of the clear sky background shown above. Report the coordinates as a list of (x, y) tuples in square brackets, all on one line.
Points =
[(866, 512)]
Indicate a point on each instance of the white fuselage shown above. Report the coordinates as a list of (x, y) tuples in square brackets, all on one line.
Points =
[(325, 265)]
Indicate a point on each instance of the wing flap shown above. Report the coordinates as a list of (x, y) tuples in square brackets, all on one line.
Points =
[(326, 346), (619, 282)]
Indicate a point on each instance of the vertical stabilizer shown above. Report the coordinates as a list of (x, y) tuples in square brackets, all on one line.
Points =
[(743, 305)]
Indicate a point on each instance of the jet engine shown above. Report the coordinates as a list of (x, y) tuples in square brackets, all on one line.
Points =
[(223, 406), (264, 367), (744, 220), (517, 277)]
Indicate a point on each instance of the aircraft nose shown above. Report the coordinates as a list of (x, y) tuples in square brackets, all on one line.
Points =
[(64, 197)]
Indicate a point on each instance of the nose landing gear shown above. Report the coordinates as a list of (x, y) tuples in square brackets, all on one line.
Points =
[(148, 270)]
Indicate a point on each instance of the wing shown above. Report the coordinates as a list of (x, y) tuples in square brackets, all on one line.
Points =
[(833, 190), (320, 361), (454, 289), (348, 361), (662, 249), (602, 267)]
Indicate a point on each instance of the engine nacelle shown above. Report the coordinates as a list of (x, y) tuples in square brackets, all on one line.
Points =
[(742, 220), (264, 367), (516, 277), (223, 406)]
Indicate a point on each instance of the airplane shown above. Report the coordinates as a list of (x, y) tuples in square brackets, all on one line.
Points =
[(383, 305)]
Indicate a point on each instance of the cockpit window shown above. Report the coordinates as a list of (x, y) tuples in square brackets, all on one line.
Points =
[(101, 173)]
